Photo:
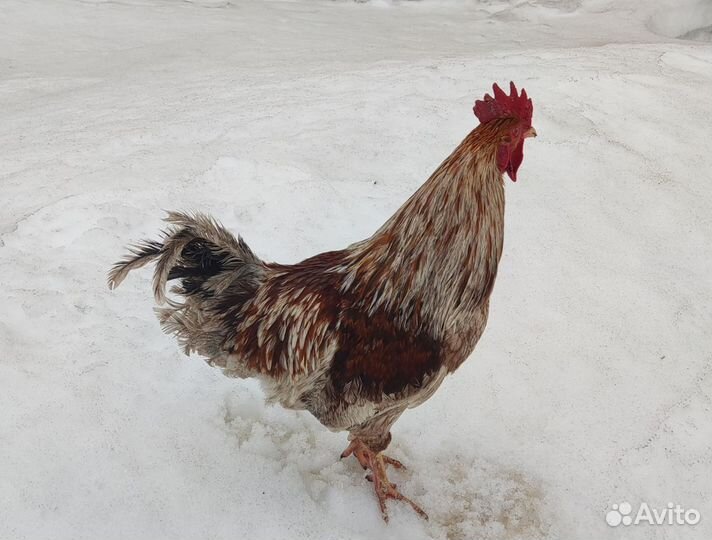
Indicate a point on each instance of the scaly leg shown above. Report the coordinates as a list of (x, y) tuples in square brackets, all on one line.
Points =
[(362, 452), (376, 463)]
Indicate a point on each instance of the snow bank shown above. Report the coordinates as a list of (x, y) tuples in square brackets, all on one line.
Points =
[(303, 125), (684, 19)]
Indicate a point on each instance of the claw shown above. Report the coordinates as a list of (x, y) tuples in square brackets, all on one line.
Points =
[(383, 487)]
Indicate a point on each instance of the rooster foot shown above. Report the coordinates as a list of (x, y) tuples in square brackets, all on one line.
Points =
[(376, 462)]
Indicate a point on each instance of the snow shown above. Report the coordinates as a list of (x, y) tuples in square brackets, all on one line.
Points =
[(686, 19), (303, 125)]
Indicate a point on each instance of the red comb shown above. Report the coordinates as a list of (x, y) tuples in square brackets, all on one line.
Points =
[(502, 105)]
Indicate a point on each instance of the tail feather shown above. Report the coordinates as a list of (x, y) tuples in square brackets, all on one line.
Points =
[(139, 255), (217, 274)]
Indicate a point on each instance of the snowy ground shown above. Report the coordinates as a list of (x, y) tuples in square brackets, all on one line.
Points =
[(303, 125)]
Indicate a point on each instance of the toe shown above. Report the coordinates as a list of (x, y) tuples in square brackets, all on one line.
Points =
[(413, 505), (394, 462), (382, 505)]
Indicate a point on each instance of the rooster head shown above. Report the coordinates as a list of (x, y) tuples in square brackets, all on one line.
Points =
[(517, 108)]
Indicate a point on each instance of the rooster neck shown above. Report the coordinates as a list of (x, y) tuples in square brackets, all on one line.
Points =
[(436, 258)]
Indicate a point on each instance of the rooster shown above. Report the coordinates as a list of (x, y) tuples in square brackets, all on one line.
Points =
[(359, 335)]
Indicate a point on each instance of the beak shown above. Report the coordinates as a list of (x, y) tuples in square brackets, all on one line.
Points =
[(531, 132)]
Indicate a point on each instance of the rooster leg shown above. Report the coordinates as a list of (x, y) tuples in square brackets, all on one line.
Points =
[(361, 452), (376, 462)]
